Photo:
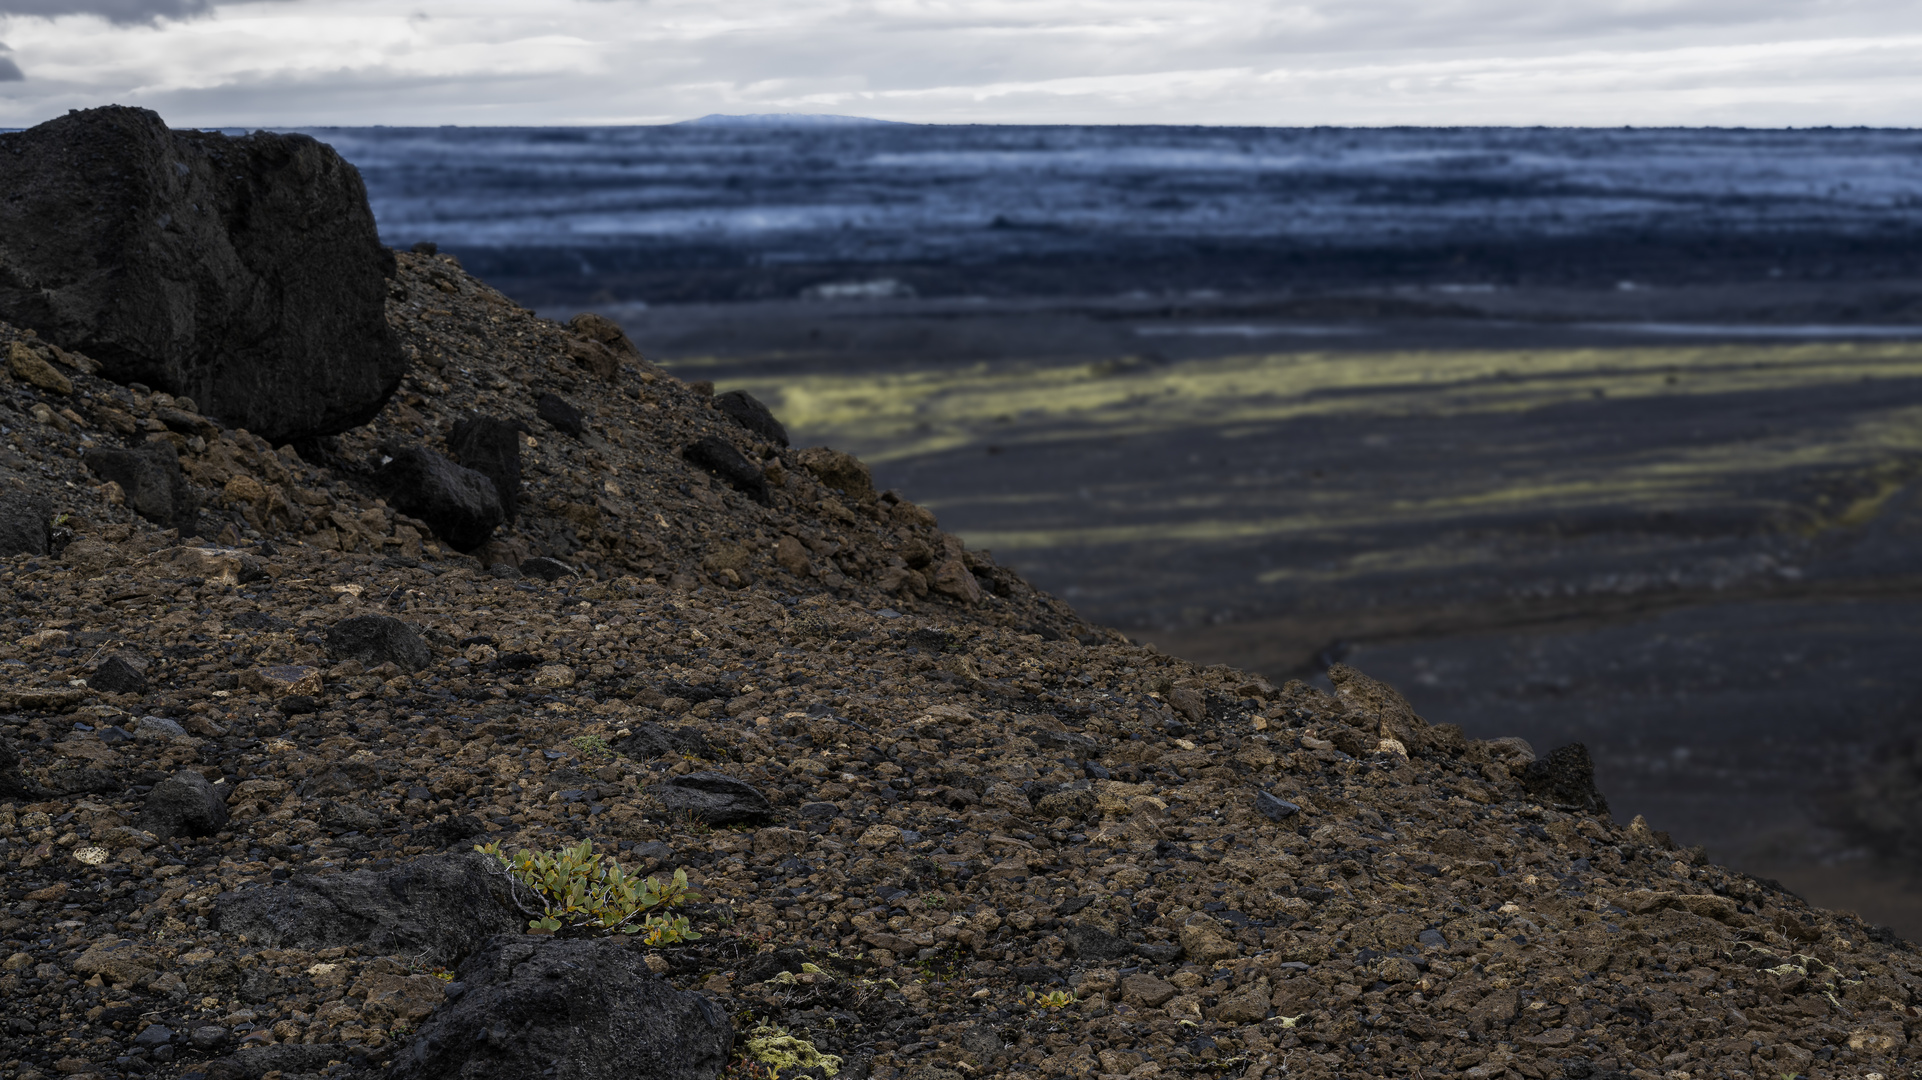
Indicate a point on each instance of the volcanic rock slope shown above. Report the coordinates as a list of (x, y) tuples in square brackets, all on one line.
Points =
[(938, 826)]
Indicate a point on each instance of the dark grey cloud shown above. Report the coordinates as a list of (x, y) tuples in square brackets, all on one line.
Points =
[(119, 11), (10, 71)]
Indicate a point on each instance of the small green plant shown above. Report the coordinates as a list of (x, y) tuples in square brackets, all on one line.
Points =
[(778, 1049), (935, 900), (592, 746), (1055, 999), (813, 973), (582, 892)]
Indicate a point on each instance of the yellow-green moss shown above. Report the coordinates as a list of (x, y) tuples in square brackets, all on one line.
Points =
[(778, 1049)]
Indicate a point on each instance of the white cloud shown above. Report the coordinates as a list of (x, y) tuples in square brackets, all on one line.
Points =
[(285, 62)]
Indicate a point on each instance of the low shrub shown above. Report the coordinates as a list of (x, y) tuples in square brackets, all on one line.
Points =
[(585, 893)]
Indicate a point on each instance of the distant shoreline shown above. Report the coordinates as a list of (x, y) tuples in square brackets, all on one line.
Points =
[(676, 273)]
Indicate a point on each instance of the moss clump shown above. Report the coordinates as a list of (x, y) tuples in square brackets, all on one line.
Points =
[(778, 1049), (592, 747)]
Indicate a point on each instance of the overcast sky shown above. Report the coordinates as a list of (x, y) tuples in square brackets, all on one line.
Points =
[(1589, 62)]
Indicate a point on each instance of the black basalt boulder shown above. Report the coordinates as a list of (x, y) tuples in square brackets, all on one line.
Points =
[(117, 676), (461, 505), (564, 417), (570, 1009), (745, 410), (1273, 807), (1565, 777), (719, 457), (1093, 943), (26, 524), (548, 570), (184, 804), (492, 447), (714, 798), (152, 481), (649, 741), (378, 639), (439, 907), (244, 271), (15, 784)]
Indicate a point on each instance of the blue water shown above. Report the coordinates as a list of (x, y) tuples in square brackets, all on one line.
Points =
[(739, 203)]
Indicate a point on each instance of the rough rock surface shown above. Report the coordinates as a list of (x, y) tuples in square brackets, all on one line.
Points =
[(151, 482), (564, 417), (454, 501), (744, 409), (184, 804), (26, 524), (378, 639), (720, 458), (492, 447), (1566, 778), (575, 1010), (244, 272), (440, 907), (548, 570), (116, 676), (714, 798)]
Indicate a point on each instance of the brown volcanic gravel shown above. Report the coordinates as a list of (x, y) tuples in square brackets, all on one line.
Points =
[(974, 795)]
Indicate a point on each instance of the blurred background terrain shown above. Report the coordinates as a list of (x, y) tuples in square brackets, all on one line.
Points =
[(1597, 435)]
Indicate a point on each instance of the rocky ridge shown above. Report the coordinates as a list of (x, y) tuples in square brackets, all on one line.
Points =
[(257, 715)]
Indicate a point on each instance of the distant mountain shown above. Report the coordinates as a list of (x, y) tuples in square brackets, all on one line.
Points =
[(785, 120)]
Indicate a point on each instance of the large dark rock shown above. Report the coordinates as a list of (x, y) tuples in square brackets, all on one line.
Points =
[(116, 676), (150, 477), (26, 524), (650, 741), (1093, 943), (441, 907), (377, 639), (548, 570), (1275, 808), (715, 798), (564, 417), (184, 804), (569, 1010), (462, 506), (745, 410), (719, 457), (15, 784), (243, 271), (491, 447), (1566, 777)]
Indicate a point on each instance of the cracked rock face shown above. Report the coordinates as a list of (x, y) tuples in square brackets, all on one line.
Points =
[(441, 907), (185, 804), (243, 272), (582, 1010)]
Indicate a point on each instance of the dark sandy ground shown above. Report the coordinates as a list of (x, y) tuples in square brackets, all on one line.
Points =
[(1676, 524)]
